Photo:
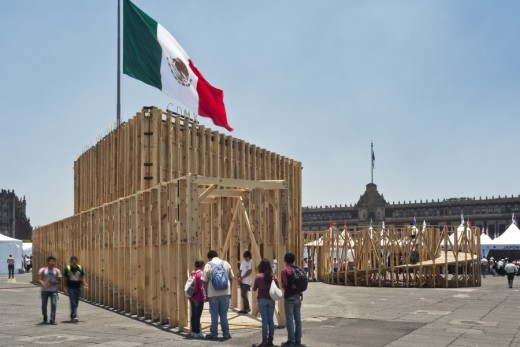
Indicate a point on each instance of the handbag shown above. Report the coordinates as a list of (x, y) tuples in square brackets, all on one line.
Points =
[(274, 292)]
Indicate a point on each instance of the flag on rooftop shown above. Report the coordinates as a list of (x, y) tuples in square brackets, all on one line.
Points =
[(152, 55), (414, 222), (331, 224), (373, 156)]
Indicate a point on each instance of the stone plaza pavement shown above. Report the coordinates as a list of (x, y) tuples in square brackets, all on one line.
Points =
[(332, 316)]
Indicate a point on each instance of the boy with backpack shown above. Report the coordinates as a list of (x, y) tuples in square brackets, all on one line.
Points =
[(49, 277), (294, 282), (72, 286), (218, 279)]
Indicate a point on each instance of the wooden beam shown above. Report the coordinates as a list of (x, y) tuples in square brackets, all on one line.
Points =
[(240, 183), (207, 192), (230, 229)]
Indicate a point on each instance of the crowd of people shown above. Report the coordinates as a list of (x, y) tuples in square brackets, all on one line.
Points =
[(501, 267), (212, 283)]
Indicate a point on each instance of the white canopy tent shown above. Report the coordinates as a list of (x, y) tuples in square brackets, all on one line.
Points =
[(27, 248), (509, 240), (485, 244), (10, 246)]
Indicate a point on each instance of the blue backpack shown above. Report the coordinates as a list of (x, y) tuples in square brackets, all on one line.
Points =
[(219, 277)]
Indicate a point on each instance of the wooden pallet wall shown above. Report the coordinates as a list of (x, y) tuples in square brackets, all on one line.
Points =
[(156, 147), (158, 193), (138, 251)]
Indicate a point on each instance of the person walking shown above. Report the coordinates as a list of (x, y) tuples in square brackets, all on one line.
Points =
[(484, 263), (218, 279), (293, 304), (10, 266), (49, 277), (511, 269), (197, 300), (245, 281), (75, 279), (262, 283)]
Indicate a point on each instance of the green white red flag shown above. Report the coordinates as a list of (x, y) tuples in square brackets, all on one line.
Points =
[(152, 55)]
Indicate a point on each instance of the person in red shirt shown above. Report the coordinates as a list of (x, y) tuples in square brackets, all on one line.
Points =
[(265, 304), (197, 300)]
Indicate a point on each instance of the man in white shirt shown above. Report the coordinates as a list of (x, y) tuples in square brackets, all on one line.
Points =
[(245, 281), (484, 263), (49, 277), (511, 270), (218, 298)]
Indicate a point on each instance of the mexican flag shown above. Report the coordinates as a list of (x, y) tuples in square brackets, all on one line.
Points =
[(152, 55)]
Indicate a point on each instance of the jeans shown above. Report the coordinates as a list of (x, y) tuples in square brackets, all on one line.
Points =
[(196, 312), (293, 306), (266, 308), (10, 269), (45, 300), (244, 291), (218, 307), (510, 279), (484, 271), (74, 295)]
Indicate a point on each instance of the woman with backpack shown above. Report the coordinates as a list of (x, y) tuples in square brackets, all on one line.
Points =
[(197, 300), (265, 304)]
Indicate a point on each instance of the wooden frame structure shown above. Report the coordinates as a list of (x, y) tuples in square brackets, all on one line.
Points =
[(370, 257), (138, 249)]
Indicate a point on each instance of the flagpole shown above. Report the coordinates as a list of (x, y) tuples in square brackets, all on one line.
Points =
[(372, 160), (118, 120)]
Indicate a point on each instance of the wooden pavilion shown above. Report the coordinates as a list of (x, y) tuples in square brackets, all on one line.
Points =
[(158, 193), (384, 257)]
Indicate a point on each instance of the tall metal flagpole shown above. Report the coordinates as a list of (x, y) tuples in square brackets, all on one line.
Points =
[(118, 63)]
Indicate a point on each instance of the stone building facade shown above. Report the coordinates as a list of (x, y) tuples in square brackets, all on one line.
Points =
[(493, 213), (13, 220)]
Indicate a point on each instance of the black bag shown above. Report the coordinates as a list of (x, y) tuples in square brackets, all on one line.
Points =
[(298, 280)]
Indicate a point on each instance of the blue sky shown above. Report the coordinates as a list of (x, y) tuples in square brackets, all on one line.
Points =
[(435, 84)]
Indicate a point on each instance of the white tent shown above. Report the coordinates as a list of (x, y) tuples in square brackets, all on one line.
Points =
[(509, 240), (27, 248), (10, 246), (485, 244)]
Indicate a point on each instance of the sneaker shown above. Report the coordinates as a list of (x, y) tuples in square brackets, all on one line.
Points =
[(226, 337), (74, 320), (53, 322), (199, 336), (211, 337), (288, 343), (44, 319)]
